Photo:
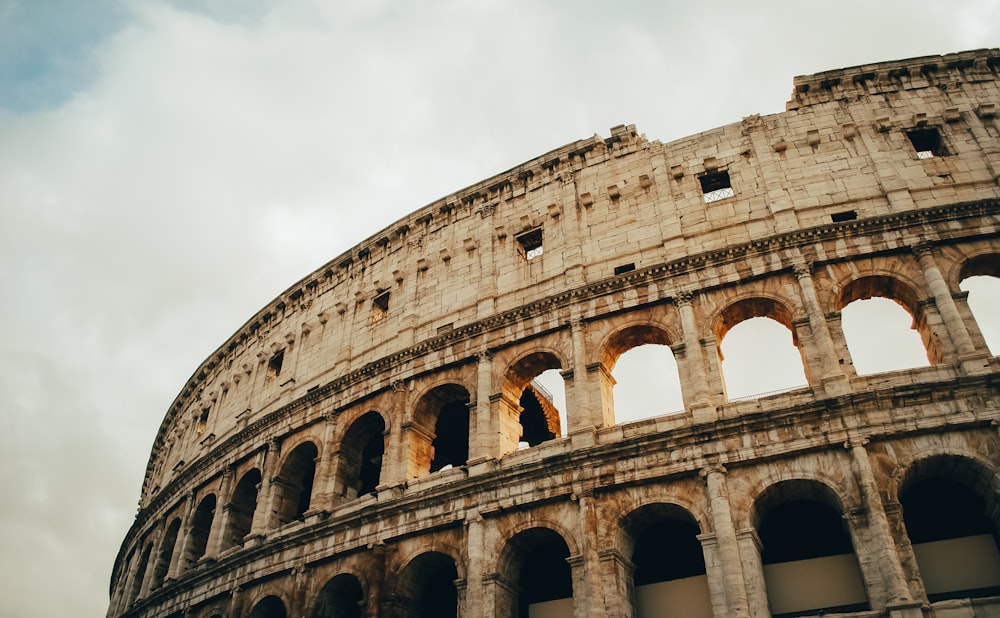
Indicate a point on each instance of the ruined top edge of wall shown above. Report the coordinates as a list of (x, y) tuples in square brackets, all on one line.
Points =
[(883, 77)]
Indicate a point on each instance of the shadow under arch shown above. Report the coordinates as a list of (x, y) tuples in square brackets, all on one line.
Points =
[(807, 551), (270, 606), (241, 507), (534, 563), (294, 486), (341, 597), (360, 455), (661, 540), (426, 587), (949, 510), (440, 430)]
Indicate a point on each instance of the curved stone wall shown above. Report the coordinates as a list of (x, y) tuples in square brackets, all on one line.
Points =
[(372, 442)]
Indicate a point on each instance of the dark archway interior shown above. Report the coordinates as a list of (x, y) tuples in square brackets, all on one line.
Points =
[(667, 550), (451, 441), (545, 573), (341, 597)]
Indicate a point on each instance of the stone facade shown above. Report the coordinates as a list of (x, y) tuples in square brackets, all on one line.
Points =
[(354, 448)]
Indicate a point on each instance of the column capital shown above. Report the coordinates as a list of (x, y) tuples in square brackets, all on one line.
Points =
[(709, 469), (922, 249), (802, 269), (683, 297), (484, 355), (398, 386)]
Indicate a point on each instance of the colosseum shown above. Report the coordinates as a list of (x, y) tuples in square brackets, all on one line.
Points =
[(374, 441)]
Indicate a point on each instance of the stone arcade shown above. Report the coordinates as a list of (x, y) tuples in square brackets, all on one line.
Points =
[(371, 443)]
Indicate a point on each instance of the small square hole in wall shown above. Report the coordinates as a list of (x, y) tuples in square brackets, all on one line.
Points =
[(847, 215), (530, 244), (927, 142), (624, 268), (203, 421), (380, 307), (274, 365), (716, 186)]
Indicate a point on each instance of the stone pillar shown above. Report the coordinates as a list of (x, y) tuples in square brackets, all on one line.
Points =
[(832, 378), (714, 573), (475, 569), (585, 406), (483, 440), (266, 496), (753, 572), (728, 548), (578, 573), (699, 399), (617, 584), (955, 327), (880, 556), (394, 462), (221, 519), (325, 487), (177, 559), (590, 594)]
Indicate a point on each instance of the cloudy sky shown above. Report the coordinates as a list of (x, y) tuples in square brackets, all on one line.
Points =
[(168, 167)]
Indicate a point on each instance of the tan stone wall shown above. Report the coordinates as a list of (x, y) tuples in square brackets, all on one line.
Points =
[(830, 203)]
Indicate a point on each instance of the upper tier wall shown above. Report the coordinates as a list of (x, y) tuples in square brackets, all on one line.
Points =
[(839, 152)]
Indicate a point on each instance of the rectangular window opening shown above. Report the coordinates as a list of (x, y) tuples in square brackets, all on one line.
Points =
[(847, 215), (927, 143), (530, 244), (716, 186), (274, 365), (380, 307), (203, 421), (624, 268)]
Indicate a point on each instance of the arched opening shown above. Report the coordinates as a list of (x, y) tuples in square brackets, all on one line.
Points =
[(646, 379), (241, 509), (669, 580), (980, 277), (758, 350), (341, 597), (440, 436), (807, 553), (535, 382), (269, 607), (882, 326), (166, 552), (201, 526), (953, 539), (295, 483), (140, 573), (536, 562), (427, 586), (361, 452)]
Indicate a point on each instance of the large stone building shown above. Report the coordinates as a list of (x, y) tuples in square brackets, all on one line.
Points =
[(373, 442)]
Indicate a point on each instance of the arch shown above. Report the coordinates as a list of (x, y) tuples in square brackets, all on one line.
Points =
[(270, 606), (201, 526), (440, 431), (294, 483), (655, 378), (806, 550), (426, 586), (140, 573), (162, 565), (535, 563), (241, 507), (341, 597), (361, 452), (952, 525), (880, 329), (670, 579), (743, 368), (537, 415), (979, 277)]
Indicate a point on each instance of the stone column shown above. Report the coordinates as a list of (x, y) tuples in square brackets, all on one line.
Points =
[(950, 315), (882, 552), (728, 547), (714, 574), (833, 380), (483, 440), (585, 407), (394, 462), (266, 496), (753, 572), (475, 565), (177, 559), (325, 483), (590, 595), (578, 573), (617, 584), (221, 519), (699, 399)]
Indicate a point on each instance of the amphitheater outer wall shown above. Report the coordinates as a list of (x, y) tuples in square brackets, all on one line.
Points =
[(256, 491)]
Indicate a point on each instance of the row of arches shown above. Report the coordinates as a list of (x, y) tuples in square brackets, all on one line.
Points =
[(807, 549)]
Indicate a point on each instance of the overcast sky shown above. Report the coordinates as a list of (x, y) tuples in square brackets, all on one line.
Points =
[(167, 168)]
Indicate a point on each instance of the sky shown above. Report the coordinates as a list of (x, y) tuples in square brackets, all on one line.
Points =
[(167, 167)]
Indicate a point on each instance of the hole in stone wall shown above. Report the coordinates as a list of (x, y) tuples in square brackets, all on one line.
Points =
[(847, 215), (984, 302), (530, 244), (881, 336), (274, 365), (624, 268), (380, 308), (647, 383), (927, 143), (759, 358), (716, 186)]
